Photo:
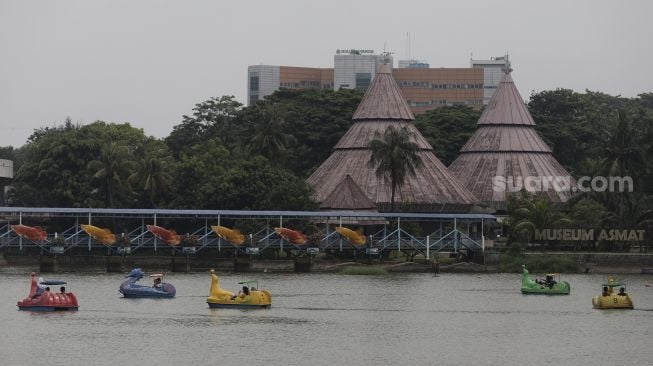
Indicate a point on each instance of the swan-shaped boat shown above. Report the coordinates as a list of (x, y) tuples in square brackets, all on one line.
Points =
[(610, 299), (250, 297), (549, 287), (161, 289), (42, 299)]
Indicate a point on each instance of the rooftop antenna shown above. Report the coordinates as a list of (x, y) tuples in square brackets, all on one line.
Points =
[(385, 53), (506, 64), (386, 56), (406, 45)]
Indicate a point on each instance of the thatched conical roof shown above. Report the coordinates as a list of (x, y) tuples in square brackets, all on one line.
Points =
[(383, 99), (347, 196), (433, 189), (506, 145)]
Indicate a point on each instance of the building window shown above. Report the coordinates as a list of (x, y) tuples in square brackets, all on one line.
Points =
[(363, 80), (253, 83)]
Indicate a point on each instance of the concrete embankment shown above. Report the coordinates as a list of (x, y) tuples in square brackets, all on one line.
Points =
[(94, 261)]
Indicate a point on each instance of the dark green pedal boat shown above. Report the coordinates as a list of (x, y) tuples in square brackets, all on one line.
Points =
[(551, 286)]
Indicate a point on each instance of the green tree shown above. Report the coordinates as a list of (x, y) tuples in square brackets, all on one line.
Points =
[(447, 129), (573, 123), (52, 166), (7, 152), (112, 170), (529, 213), (266, 132), (395, 157), (216, 118), (153, 172), (315, 120), (622, 155), (210, 177)]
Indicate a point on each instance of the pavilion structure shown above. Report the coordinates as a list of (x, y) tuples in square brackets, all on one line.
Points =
[(506, 154), (346, 174)]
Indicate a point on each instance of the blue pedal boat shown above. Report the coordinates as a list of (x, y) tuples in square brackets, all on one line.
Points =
[(159, 289)]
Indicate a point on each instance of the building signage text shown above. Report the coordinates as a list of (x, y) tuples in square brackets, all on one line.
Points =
[(590, 234), (354, 51)]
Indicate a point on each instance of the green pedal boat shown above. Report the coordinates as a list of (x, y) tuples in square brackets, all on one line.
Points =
[(551, 285)]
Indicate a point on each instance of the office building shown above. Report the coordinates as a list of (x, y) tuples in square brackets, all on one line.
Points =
[(354, 69), (263, 80), (424, 87), (493, 71)]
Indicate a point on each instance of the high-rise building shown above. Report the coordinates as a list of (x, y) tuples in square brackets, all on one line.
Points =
[(355, 69), (426, 89), (263, 80), (493, 71), (413, 64)]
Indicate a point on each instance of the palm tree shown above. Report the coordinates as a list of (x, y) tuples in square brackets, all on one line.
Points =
[(395, 157), (622, 153), (529, 213), (267, 136), (622, 158), (111, 168), (152, 174)]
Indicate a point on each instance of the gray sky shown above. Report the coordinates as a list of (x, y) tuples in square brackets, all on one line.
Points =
[(149, 62)]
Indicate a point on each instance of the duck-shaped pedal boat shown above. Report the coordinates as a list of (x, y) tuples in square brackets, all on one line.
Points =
[(550, 286), (159, 289), (249, 298), (42, 299), (610, 299)]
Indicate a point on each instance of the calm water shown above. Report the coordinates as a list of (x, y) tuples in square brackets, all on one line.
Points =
[(330, 319)]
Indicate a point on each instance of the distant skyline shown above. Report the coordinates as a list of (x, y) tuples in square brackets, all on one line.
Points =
[(149, 62)]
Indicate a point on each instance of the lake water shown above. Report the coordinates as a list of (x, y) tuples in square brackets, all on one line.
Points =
[(330, 319)]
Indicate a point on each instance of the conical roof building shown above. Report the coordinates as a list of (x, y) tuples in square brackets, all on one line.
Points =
[(433, 189), (506, 154)]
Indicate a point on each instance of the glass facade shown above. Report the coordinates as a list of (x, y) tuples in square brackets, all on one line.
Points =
[(253, 83), (363, 80)]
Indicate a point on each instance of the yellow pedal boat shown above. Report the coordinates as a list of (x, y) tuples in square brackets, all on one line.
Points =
[(249, 297), (610, 299)]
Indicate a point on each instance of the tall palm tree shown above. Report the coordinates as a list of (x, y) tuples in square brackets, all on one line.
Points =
[(266, 131), (395, 157), (622, 154), (152, 175), (623, 157), (112, 169)]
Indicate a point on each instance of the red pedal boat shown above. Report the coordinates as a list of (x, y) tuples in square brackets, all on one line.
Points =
[(41, 298)]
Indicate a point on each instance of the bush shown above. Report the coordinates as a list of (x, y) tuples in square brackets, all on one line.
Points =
[(538, 263)]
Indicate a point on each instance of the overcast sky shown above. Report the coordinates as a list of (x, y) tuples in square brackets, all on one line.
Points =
[(149, 62)]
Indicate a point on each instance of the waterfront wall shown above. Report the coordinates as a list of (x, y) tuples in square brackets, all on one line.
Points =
[(590, 258)]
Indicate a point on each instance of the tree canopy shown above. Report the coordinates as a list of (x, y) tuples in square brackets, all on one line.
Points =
[(228, 156)]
